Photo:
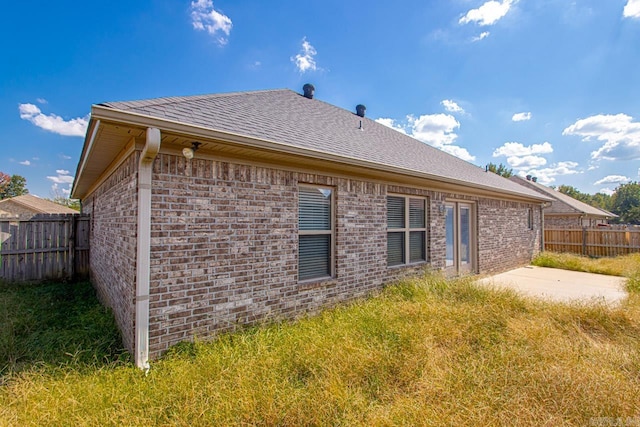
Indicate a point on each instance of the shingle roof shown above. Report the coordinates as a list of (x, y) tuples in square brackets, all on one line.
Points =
[(286, 117), (35, 204), (567, 205)]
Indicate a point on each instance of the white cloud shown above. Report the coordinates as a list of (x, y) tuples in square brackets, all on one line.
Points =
[(305, 60), (547, 175), (613, 179), (620, 134), (205, 18), (52, 122), (434, 129), (460, 152), (63, 178), (391, 124), (64, 156), (437, 130), (56, 190), (526, 162), (632, 9), (520, 117), (25, 163), (41, 101), (489, 13), (480, 36), (607, 191), (511, 149), (452, 106)]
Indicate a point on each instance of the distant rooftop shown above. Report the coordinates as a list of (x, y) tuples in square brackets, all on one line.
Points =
[(567, 205), (34, 204)]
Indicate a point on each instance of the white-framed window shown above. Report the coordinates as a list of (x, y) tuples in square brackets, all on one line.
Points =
[(406, 230), (315, 232)]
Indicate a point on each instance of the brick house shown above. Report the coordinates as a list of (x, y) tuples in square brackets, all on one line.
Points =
[(27, 205), (213, 211), (565, 211)]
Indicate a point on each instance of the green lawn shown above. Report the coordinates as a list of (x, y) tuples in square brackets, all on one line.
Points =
[(428, 351)]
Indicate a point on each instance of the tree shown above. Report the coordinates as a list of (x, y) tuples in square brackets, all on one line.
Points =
[(12, 186), (626, 203), (58, 196), (598, 200), (500, 169), (571, 192)]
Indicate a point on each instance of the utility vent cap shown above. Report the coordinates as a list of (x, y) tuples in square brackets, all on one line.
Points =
[(528, 177), (308, 90), (360, 109), (534, 178)]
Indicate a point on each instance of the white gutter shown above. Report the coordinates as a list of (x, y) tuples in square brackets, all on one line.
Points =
[(143, 258)]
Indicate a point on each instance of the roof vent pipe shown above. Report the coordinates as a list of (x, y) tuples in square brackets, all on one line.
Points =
[(308, 90), (360, 109), (528, 177), (534, 178)]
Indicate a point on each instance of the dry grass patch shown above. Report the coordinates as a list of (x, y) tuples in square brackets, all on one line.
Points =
[(428, 351), (626, 266)]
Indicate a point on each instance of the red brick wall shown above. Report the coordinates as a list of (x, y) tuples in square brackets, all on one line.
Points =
[(562, 221), (224, 244), (113, 210), (505, 240)]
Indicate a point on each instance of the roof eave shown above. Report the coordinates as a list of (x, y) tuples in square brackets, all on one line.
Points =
[(86, 147), (100, 112)]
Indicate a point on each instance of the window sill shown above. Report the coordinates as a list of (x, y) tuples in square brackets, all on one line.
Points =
[(412, 264), (309, 284)]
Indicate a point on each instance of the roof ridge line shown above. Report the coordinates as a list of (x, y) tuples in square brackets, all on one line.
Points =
[(166, 100)]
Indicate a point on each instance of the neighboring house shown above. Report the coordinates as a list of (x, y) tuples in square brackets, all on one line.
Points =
[(565, 211), (208, 212), (27, 205)]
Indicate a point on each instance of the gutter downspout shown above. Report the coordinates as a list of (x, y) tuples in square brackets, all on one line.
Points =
[(143, 264)]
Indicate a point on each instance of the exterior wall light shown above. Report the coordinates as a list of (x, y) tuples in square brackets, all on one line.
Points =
[(189, 152)]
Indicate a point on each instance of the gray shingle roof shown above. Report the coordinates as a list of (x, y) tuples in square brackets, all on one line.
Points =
[(35, 205), (567, 204), (284, 116)]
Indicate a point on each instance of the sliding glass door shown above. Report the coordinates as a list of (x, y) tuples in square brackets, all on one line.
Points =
[(460, 238)]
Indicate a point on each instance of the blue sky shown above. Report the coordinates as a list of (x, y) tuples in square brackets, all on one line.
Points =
[(549, 87)]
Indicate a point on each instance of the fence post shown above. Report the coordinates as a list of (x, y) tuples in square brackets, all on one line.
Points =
[(72, 246), (584, 241)]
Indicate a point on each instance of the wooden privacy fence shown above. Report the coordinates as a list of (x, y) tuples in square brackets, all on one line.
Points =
[(595, 242), (45, 246)]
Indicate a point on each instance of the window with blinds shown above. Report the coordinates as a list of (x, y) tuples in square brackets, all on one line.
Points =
[(315, 227), (406, 230)]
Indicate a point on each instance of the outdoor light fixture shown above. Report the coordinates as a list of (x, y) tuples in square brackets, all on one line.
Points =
[(189, 152), (442, 209)]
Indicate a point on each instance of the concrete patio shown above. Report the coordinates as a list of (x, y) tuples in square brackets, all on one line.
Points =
[(561, 285)]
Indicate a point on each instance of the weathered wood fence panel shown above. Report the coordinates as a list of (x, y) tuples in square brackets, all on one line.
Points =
[(45, 246), (595, 242)]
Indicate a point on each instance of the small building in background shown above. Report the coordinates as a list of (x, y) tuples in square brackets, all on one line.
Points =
[(28, 205), (565, 211)]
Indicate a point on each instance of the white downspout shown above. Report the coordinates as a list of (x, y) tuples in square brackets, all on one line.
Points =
[(143, 264)]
